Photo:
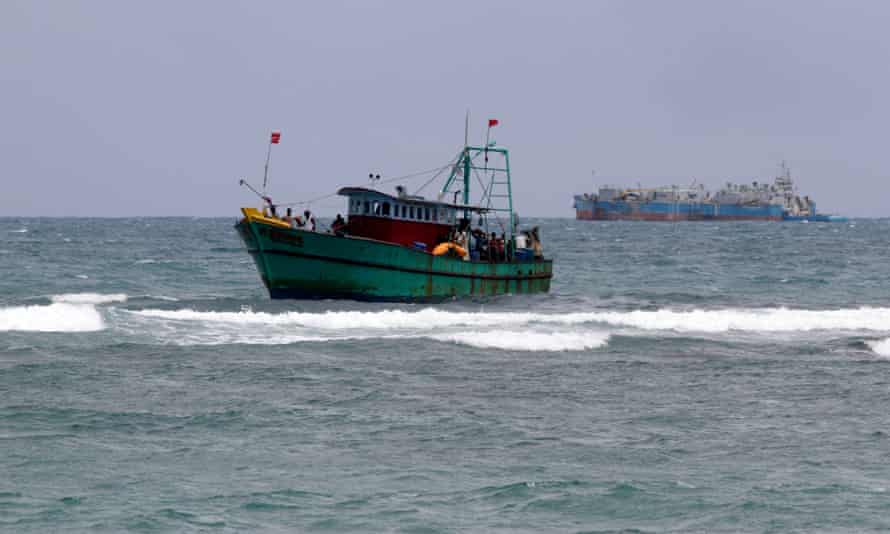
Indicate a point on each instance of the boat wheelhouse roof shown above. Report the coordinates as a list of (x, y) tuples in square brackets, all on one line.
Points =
[(351, 191)]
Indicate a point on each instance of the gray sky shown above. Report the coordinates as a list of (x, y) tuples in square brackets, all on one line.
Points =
[(157, 108)]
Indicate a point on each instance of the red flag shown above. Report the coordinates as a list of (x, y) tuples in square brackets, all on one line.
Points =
[(492, 122), (276, 137)]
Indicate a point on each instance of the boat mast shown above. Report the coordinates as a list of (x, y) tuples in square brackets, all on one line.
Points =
[(497, 197), (466, 190), (466, 180)]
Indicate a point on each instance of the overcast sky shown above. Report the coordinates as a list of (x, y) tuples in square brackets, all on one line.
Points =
[(157, 108)]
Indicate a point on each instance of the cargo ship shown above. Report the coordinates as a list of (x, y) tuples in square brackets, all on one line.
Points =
[(778, 201), (401, 247)]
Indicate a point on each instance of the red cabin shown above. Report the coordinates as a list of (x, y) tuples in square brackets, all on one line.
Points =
[(402, 219)]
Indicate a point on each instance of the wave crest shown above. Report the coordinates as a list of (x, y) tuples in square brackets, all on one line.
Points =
[(880, 347), (748, 320), (528, 341), (56, 317), (68, 312), (707, 321)]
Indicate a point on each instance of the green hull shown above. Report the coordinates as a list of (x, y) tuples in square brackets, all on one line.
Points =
[(296, 263)]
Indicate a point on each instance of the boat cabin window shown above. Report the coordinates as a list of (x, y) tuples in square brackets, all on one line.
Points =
[(398, 210)]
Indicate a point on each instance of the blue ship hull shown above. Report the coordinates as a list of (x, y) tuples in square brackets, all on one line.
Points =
[(815, 218)]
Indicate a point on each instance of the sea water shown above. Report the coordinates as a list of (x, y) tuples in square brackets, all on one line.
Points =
[(690, 377)]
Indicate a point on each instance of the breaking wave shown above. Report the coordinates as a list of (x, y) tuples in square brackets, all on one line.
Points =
[(57, 317), (749, 320), (706, 321), (349, 320), (516, 341), (515, 331), (70, 312), (527, 341), (880, 347), (489, 330)]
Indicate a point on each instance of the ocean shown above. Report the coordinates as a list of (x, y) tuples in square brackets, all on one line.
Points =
[(689, 377)]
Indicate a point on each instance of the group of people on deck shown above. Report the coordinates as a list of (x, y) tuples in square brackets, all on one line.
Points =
[(485, 247), (479, 245), (307, 222), (482, 246)]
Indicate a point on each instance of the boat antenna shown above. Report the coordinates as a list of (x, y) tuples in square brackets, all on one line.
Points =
[(274, 139), (467, 128)]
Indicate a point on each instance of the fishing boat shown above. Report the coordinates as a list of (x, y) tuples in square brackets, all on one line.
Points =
[(401, 247)]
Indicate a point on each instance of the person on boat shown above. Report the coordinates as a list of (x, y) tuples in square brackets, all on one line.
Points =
[(288, 217), (478, 248), (465, 243), (481, 244), (339, 225), (536, 243), (503, 247), (309, 220), (472, 243)]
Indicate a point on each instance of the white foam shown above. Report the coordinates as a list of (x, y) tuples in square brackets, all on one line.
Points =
[(749, 320), (503, 340), (880, 347), (89, 298), (56, 317), (527, 341), (707, 321), (520, 331), (251, 327), (350, 320), (19, 231)]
